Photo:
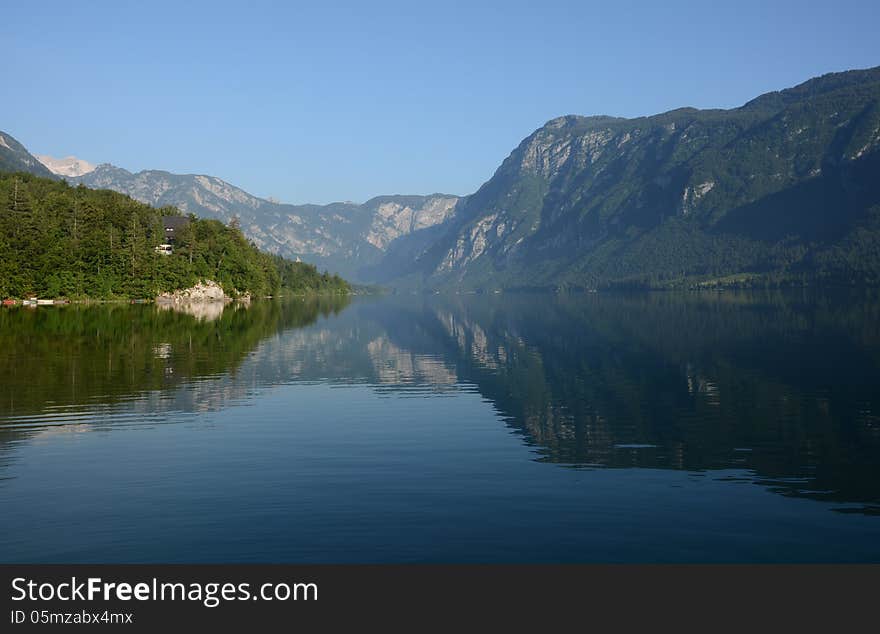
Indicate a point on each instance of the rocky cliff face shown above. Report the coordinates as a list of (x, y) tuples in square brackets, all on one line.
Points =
[(342, 237), (595, 200), (393, 217)]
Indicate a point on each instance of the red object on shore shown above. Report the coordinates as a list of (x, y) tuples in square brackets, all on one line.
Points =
[(10, 302)]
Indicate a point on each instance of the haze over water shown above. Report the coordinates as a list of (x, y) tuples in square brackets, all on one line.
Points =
[(507, 428)]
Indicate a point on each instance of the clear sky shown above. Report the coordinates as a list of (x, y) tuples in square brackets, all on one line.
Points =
[(324, 101)]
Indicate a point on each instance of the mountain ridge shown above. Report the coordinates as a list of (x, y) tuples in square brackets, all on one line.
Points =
[(342, 237), (14, 157), (785, 186), (597, 201)]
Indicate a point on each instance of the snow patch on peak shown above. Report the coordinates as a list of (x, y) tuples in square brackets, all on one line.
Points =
[(67, 166)]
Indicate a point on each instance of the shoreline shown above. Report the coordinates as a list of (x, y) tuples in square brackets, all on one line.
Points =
[(15, 302)]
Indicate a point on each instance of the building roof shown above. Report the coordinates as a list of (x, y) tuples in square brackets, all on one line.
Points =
[(174, 222)]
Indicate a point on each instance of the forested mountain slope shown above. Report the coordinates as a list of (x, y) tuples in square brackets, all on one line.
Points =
[(63, 241), (786, 187)]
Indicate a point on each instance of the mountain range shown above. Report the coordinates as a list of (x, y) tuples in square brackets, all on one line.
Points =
[(342, 237), (346, 238), (785, 187)]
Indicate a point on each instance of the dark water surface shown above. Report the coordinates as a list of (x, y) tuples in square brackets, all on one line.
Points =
[(507, 428)]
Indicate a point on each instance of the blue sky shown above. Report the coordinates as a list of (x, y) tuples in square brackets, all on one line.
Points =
[(342, 101)]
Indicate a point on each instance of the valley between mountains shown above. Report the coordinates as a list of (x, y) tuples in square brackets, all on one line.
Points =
[(784, 189)]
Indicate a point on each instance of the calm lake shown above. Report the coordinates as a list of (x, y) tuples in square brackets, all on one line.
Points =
[(651, 427)]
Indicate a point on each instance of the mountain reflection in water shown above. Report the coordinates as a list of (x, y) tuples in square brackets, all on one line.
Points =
[(774, 389)]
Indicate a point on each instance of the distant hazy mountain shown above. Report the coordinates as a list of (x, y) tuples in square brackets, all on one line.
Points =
[(15, 158), (345, 238), (67, 166), (788, 184)]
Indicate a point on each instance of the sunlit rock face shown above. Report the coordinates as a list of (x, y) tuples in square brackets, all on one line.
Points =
[(67, 166), (393, 219), (206, 291)]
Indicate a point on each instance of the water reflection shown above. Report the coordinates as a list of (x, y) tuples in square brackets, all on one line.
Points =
[(780, 386), (73, 358), (203, 311), (784, 386)]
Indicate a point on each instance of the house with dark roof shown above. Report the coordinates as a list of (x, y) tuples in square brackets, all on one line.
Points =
[(173, 224)]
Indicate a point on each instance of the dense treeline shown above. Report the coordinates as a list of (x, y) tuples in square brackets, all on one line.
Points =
[(299, 277), (63, 241), (680, 255)]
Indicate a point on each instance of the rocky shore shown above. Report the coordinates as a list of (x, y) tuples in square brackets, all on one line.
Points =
[(204, 291)]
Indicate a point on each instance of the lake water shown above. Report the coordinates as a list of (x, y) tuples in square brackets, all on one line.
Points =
[(660, 427)]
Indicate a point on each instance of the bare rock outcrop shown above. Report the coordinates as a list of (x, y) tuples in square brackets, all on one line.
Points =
[(204, 291)]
